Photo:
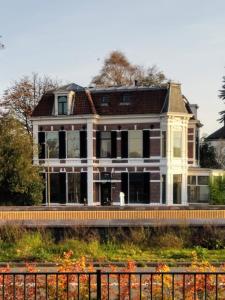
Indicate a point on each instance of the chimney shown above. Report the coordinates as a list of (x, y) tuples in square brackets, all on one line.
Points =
[(194, 109)]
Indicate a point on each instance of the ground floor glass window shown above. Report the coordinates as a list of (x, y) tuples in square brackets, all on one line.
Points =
[(177, 188), (198, 189), (136, 187), (73, 187)]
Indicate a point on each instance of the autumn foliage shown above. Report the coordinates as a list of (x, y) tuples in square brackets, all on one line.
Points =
[(77, 280)]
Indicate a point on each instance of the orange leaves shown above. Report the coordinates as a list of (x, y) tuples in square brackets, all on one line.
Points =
[(78, 279)]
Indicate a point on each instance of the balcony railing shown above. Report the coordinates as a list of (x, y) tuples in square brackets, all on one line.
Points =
[(112, 285)]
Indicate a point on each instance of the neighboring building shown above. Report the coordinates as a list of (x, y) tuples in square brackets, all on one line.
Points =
[(95, 143), (217, 140)]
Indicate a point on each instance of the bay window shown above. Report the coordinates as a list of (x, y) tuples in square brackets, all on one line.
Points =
[(177, 144)]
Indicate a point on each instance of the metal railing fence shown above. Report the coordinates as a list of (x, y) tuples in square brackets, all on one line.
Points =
[(112, 285)]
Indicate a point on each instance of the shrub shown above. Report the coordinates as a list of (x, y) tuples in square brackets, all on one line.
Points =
[(34, 245), (167, 240), (217, 189)]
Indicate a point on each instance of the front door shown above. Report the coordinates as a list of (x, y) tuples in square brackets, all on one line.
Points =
[(105, 193)]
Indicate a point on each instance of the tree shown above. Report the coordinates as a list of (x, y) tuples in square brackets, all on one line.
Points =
[(217, 189), (222, 96), (20, 182), (1, 44), (23, 96), (220, 153), (118, 71), (208, 156)]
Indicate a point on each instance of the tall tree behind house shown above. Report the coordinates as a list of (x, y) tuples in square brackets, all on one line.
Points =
[(117, 70)]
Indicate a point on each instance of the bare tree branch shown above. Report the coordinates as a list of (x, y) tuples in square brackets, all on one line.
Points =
[(23, 96)]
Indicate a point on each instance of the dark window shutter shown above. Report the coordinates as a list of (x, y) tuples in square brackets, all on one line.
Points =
[(98, 143), (146, 136), (41, 143), (83, 144), (62, 144), (62, 186), (113, 144), (147, 187), (83, 187), (124, 144), (124, 185)]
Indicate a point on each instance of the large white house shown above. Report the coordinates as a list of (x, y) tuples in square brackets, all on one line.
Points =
[(95, 143)]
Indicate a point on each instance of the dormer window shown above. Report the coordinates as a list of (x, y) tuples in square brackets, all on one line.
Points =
[(104, 100), (126, 100), (62, 105)]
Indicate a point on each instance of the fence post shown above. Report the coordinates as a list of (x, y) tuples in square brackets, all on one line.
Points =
[(99, 285)]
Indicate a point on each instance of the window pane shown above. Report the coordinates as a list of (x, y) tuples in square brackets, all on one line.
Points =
[(138, 193), (73, 144), (62, 105), (192, 194), (177, 184), (126, 99), (58, 188), (74, 188), (203, 193), (135, 143), (52, 141), (105, 100), (105, 150), (177, 143), (203, 180), (192, 180), (163, 189)]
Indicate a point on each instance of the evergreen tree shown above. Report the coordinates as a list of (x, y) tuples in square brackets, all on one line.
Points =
[(222, 96), (208, 156)]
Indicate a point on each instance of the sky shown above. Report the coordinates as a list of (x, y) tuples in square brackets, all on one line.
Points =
[(69, 40)]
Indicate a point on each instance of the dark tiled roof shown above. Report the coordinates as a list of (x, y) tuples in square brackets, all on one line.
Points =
[(45, 106), (218, 134), (83, 104), (143, 100)]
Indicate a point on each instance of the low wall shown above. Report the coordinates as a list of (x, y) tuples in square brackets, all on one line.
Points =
[(110, 216)]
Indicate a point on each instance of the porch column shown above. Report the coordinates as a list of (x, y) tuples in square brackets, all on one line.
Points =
[(90, 191)]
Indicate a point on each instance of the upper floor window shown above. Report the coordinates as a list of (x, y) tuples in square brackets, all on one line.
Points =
[(73, 144), (105, 144), (62, 105), (104, 100), (177, 143), (135, 143), (126, 99), (52, 143)]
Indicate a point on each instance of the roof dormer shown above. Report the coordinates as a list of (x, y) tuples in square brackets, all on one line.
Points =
[(64, 99)]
